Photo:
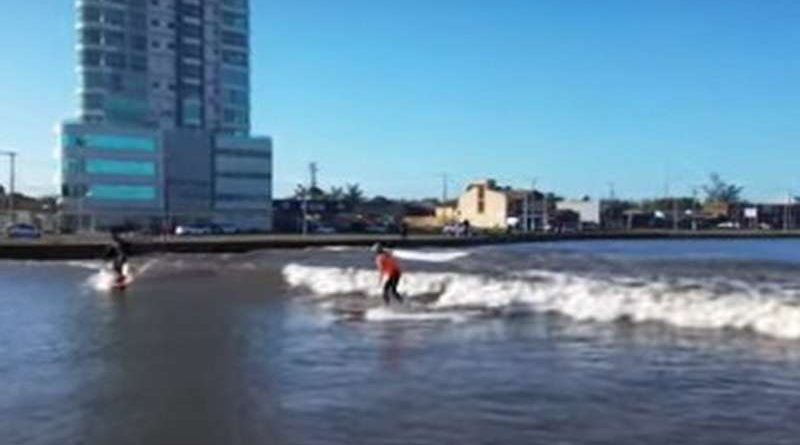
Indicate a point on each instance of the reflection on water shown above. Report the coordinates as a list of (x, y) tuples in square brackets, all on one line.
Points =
[(191, 357)]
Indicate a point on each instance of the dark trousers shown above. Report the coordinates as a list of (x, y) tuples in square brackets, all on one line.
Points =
[(390, 289)]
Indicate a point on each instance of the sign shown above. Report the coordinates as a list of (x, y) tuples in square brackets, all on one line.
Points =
[(751, 213)]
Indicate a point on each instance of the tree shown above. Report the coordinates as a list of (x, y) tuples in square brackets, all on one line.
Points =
[(718, 190), (300, 191), (336, 194), (353, 193)]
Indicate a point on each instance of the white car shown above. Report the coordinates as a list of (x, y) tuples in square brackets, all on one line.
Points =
[(193, 230), (728, 225)]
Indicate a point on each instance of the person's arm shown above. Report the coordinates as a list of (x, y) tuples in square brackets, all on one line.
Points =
[(379, 265)]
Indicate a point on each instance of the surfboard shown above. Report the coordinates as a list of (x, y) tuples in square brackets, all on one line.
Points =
[(351, 313), (120, 284)]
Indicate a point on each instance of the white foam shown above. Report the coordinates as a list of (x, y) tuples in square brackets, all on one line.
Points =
[(390, 314), (690, 304), (430, 257)]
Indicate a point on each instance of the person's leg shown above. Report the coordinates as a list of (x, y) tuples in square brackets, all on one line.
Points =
[(387, 289), (395, 280)]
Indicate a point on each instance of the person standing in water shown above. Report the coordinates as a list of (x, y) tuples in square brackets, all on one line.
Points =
[(390, 273), (118, 253)]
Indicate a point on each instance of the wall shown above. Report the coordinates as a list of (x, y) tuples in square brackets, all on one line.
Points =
[(495, 208)]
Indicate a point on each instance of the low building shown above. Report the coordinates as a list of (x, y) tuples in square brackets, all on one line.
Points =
[(589, 212), (486, 205), (147, 178)]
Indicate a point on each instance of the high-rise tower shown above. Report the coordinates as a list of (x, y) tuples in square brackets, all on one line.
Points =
[(163, 133)]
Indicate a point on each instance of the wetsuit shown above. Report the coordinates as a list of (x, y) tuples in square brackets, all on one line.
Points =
[(118, 254), (389, 267)]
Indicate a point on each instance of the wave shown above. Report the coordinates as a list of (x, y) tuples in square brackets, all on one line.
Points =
[(430, 257), (721, 303)]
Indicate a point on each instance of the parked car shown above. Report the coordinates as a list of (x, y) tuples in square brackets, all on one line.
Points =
[(193, 230), (324, 229), (224, 229), (728, 225), (23, 231)]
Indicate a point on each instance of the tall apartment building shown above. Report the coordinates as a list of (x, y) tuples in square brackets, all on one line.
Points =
[(163, 132)]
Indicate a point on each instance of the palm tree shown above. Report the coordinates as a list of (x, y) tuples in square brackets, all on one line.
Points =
[(336, 194), (353, 193), (718, 190), (300, 191)]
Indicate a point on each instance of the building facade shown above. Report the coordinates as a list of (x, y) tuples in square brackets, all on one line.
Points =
[(163, 129), (487, 205)]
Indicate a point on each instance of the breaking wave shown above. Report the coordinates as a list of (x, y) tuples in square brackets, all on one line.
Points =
[(767, 309)]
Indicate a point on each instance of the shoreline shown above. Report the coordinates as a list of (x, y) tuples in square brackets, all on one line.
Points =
[(58, 248)]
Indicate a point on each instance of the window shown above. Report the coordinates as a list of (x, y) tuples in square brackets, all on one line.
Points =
[(242, 165), (236, 97), (234, 19), (115, 60), (127, 168), (192, 112), (93, 101), (110, 142), (190, 30), (122, 192), (90, 58), (481, 199), (234, 58), (234, 77), (91, 37), (234, 38)]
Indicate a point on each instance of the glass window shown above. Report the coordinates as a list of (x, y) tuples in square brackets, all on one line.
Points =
[(242, 165), (192, 112), (122, 192), (234, 38), (110, 142), (236, 97), (127, 168), (243, 187), (234, 77), (234, 19), (234, 58)]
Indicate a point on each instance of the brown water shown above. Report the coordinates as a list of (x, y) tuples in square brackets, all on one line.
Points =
[(202, 351)]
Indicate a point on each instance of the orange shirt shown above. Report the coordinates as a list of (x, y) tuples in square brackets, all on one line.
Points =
[(387, 265)]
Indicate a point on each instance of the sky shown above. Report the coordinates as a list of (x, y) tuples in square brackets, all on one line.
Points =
[(577, 96)]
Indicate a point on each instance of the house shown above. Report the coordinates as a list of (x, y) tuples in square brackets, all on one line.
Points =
[(486, 205), (588, 211)]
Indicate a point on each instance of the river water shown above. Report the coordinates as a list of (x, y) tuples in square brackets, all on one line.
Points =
[(618, 342)]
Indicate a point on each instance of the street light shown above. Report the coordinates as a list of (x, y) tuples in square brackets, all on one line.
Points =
[(12, 156)]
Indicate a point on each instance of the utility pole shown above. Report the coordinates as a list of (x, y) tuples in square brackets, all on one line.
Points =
[(675, 214), (694, 209), (530, 207), (444, 187), (313, 170), (786, 211), (12, 157)]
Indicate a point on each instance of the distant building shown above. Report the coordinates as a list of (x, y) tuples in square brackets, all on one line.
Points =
[(163, 130), (486, 205), (589, 212)]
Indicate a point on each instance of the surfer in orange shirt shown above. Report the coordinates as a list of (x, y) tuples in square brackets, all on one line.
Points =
[(390, 273)]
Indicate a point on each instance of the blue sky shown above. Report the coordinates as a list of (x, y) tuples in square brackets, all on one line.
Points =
[(390, 94)]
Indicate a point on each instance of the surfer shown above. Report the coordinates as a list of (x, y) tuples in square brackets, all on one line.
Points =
[(118, 253), (389, 269)]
